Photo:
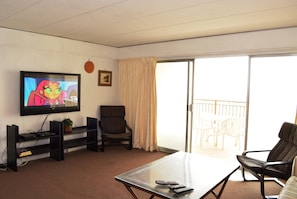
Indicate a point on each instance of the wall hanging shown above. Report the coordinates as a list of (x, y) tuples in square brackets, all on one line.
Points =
[(104, 78)]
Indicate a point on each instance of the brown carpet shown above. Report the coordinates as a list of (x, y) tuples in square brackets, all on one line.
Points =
[(89, 175)]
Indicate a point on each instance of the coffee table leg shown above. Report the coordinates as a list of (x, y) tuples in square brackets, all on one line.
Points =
[(224, 181), (133, 194), (131, 191), (218, 196)]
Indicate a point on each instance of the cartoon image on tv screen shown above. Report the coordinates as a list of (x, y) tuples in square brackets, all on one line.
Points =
[(47, 92)]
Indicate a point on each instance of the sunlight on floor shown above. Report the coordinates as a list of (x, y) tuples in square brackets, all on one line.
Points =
[(212, 148)]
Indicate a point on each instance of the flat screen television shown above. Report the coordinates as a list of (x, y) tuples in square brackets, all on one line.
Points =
[(47, 92)]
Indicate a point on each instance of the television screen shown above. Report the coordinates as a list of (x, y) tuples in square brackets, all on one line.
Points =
[(45, 92)]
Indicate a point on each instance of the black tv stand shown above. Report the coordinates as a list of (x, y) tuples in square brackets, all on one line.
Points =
[(90, 140), (57, 142)]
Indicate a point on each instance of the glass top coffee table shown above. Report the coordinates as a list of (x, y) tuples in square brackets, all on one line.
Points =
[(201, 173)]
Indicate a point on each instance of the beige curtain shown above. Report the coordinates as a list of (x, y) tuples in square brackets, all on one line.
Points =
[(137, 92)]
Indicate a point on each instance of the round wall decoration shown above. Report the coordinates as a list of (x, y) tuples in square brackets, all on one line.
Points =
[(89, 66)]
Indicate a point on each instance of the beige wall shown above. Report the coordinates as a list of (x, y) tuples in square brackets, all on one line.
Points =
[(33, 52)]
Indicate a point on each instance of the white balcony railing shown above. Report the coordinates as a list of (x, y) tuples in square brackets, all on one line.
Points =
[(218, 108)]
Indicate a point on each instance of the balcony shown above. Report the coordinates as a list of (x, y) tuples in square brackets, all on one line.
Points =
[(218, 126)]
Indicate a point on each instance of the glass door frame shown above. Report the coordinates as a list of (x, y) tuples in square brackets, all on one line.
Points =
[(188, 130), (189, 118)]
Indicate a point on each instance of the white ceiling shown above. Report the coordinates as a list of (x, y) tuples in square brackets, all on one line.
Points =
[(121, 23)]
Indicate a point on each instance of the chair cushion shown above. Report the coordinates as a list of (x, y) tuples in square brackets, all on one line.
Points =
[(112, 119), (256, 166), (112, 111), (113, 125), (288, 132), (126, 135), (286, 148)]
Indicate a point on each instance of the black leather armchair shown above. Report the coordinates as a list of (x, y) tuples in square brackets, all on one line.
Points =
[(279, 160), (113, 126)]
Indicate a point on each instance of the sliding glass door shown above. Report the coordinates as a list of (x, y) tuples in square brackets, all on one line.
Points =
[(172, 100), (273, 98), (259, 92), (220, 104)]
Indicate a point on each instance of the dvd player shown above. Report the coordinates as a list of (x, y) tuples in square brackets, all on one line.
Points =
[(44, 134), (27, 136)]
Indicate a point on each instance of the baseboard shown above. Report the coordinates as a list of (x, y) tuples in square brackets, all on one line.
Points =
[(166, 150)]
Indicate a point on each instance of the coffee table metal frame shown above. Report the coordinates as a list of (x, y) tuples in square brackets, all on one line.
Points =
[(202, 173)]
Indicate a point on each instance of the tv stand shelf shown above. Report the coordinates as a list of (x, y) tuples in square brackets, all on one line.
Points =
[(57, 142), (35, 150), (90, 140)]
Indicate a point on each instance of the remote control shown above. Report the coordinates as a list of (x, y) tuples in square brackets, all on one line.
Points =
[(182, 190), (172, 183), (176, 186), (163, 182)]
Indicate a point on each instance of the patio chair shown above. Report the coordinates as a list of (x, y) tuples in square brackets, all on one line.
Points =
[(279, 160), (113, 126), (206, 129), (231, 127)]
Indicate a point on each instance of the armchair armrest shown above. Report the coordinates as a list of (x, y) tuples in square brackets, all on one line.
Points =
[(277, 163), (255, 151)]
